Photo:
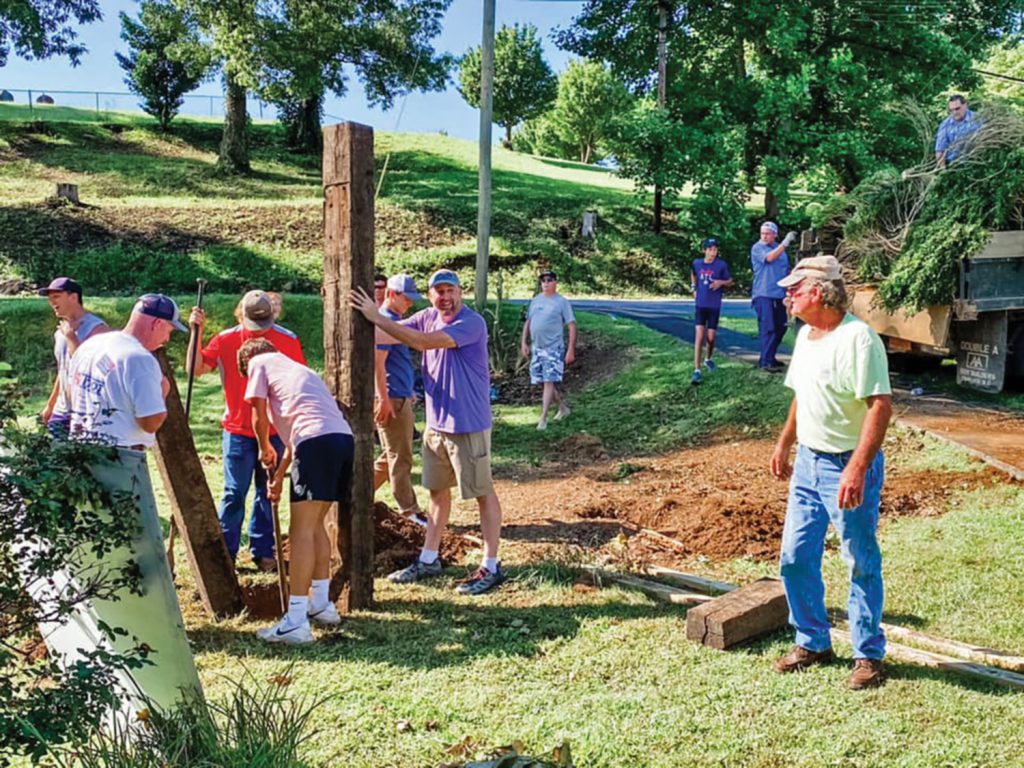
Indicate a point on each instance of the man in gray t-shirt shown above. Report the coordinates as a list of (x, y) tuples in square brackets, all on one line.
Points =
[(546, 319)]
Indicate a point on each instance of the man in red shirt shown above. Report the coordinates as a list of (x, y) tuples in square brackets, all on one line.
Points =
[(239, 444)]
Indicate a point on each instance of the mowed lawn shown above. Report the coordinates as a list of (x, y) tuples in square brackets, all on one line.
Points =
[(610, 671)]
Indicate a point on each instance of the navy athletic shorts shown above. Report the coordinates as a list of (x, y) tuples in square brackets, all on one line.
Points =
[(322, 468), (707, 317)]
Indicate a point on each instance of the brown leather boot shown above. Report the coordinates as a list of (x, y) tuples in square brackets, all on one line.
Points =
[(867, 673), (800, 659)]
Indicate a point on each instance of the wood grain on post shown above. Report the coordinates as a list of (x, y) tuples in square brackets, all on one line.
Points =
[(193, 508), (348, 340)]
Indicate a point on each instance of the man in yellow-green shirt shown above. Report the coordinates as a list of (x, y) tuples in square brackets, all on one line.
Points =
[(841, 408)]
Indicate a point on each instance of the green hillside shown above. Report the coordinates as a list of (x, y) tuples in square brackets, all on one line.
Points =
[(158, 214)]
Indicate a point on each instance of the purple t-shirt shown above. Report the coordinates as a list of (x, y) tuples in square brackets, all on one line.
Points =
[(457, 381), (706, 273)]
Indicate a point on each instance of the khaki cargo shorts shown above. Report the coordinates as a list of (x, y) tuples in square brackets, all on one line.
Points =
[(458, 459)]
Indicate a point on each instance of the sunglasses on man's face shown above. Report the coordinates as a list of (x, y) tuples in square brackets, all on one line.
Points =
[(380, 286)]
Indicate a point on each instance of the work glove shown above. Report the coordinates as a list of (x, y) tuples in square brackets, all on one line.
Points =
[(789, 239)]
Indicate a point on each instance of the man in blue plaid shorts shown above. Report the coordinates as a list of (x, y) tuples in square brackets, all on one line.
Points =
[(549, 314)]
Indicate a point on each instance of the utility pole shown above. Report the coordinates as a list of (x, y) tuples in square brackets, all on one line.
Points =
[(483, 218), (662, 81)]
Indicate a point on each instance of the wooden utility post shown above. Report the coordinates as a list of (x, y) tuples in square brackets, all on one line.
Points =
[(662, 83), (483, 216), (192, 507), (348, 340)]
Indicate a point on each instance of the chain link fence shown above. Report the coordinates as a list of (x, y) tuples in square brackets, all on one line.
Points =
[(43, 102)]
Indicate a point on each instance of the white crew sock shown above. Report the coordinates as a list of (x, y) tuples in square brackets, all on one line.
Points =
[(491, 564), (428, 556), (296, 615), (318, 594)]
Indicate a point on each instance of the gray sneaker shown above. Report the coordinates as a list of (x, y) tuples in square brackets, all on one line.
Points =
[(417, 572), (481, 581)]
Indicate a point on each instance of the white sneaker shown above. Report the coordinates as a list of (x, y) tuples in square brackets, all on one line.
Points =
[(542, 425), (283, 633), (563, 411), (327, 615)]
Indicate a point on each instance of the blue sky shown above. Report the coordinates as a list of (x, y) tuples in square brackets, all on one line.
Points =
[(425, 113)]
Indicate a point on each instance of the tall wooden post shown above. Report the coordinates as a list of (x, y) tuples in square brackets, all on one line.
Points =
[(483, 216), (192, 507), (348, 340)]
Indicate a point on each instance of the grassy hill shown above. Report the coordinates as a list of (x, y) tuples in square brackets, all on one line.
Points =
[(159, 215)]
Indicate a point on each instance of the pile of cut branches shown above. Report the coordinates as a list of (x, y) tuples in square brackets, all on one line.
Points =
[(903, 232)]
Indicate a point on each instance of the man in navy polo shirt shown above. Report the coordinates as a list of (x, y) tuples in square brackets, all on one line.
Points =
[(393, 406), (770, 263)]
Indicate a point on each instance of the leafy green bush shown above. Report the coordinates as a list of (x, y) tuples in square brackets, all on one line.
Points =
[(55, 516)]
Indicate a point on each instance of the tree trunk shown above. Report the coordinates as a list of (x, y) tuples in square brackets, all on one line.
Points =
[(508, 136), (310, 137), (771, 205), (234, 146), (586, 153), (657, 208)]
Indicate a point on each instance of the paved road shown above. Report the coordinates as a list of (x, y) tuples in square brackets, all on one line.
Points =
[(675, 317)]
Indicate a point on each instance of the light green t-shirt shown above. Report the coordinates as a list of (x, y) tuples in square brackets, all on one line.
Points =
[(832, 377)]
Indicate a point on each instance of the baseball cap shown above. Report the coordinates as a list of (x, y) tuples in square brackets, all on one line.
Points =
[(61, 284), (404, 285), (772, 226), (816, 267), (548, 273), (444, 276), (163, 307), (257, 311), (709, 242)]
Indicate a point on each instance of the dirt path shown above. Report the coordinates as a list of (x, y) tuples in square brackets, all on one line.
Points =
[(993, 435), (717, 501)]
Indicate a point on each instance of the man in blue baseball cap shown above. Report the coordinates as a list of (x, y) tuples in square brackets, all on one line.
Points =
[(457, 441), (393, 406), (117, 388), (708, 276)]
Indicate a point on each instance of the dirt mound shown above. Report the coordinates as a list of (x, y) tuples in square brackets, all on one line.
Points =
[(397, 540), (581, 447), (718, 501)]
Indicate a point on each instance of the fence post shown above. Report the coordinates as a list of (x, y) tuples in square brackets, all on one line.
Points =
[(97, 102), (29, 99)]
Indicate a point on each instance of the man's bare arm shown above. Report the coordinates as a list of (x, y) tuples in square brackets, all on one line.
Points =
[(151, 423), (872, 434), (197, 318), (418, 340), (570, 353), (780, 465)]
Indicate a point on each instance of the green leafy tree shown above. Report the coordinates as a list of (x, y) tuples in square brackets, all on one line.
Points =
[(539, 137), (801, 86), (306, 49), (524, 85), (38, 29), (166, 58), (589, 98), (1008, 60)]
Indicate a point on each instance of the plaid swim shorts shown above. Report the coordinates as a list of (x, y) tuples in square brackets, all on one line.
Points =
[(547, 364)]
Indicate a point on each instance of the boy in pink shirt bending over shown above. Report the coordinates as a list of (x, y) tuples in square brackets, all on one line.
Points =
[(318, 451)]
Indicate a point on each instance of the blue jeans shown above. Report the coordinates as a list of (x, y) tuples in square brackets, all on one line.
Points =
[(771, 328), (241, 465), (813, 502)]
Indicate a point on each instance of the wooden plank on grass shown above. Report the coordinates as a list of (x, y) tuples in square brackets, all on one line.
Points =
[(746, 613), (943, 663), (662, 592), (966, 651), (690, 581)]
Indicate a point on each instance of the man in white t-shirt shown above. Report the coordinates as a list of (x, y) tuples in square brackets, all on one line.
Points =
[(842, 403), (117, 388), (319, 450)]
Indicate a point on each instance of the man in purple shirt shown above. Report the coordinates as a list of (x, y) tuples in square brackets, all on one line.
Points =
[(457, 441)]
